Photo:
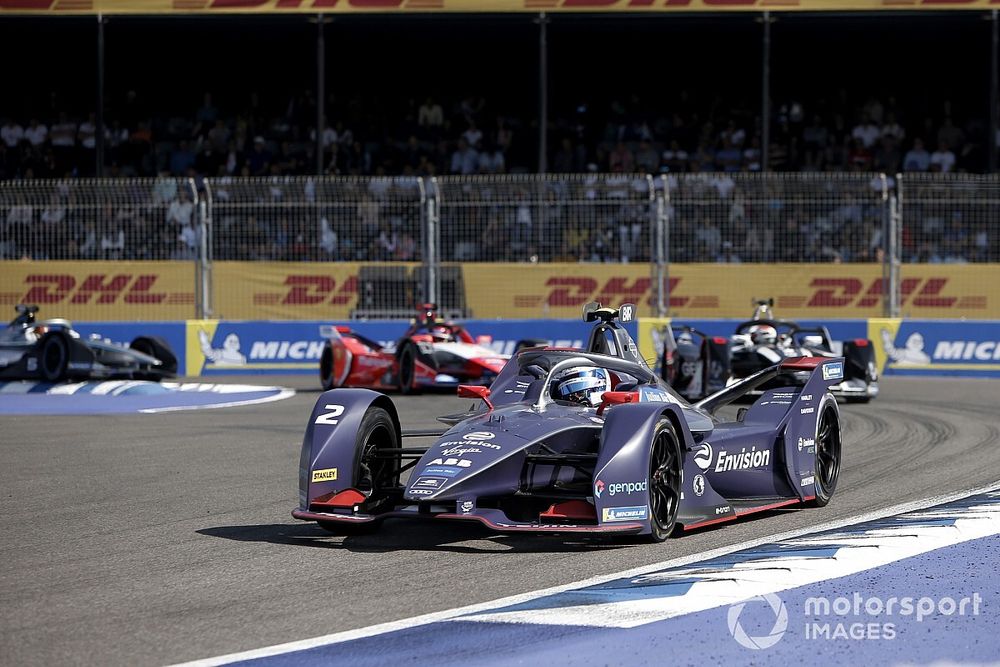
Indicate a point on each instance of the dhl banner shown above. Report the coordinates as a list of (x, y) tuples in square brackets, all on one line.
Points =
[(57, 7), (101, 290), (298, 290), (800, 291)]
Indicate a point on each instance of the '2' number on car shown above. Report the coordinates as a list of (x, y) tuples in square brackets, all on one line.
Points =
[(330, 418)]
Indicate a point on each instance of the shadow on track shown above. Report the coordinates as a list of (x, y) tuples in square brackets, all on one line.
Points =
[(410, 536)]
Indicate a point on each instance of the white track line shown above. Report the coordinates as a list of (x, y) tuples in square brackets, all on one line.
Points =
[(434, 617), (280, 396)]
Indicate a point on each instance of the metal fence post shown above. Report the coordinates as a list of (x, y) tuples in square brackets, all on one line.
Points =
[(658, 211), (204, 261), (433, 238), (892, 260)]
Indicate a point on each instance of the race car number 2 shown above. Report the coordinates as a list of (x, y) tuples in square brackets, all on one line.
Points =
[(330, 418)]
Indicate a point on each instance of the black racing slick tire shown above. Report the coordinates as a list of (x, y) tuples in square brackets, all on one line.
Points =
[(53, 357), (376, 470), (665, 465), (828, 449), (157, 348), (407, 368), (326, 368)]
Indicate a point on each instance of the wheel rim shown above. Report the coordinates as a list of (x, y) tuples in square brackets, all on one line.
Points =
[(664, 482), (827, 453), (374, 470)]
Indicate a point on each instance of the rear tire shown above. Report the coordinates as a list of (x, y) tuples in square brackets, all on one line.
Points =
[(53, 357), (375, 476), (157, 348), (664, 481), (828, 448), (407, 368), (326, 368)]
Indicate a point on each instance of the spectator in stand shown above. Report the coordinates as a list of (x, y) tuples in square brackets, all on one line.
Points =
[(259, 161), (465, 159), (87, 135), (943, 159), (62, 138), (181, 159), (646, 158), (893, 130), (36, 133), (728, 157), (951, 136), (218, 136), (491, 160), (674, 158), (181, 210), (859, 158), (814, 138), (205, 117), (917, 158), (867, 132), (621, 159), (11, 133), (473, 135), (887, 157), (430, 117)]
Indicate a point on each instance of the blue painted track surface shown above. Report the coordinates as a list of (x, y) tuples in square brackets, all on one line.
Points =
[(124, 397), (851, 635)]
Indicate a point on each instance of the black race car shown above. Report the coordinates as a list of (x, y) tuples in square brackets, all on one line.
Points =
[(51, 350), (697, 364)]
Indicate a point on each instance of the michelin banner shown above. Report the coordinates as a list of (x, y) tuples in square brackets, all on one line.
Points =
[(260, 347), (212, 347), (934, 347)]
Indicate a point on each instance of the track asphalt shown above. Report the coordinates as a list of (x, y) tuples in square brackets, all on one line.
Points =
[(153, 539)]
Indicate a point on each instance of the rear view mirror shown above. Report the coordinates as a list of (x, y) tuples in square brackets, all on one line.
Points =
[(473, 391)]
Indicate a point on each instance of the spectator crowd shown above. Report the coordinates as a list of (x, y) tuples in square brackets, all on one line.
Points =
[(717, 213)]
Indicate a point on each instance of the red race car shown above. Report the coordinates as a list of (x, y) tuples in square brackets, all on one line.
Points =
[(432, 353)]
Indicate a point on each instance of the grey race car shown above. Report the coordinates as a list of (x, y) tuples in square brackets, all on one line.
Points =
[(52, 351)]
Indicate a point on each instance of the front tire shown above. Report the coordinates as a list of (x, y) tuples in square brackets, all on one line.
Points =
[(664, 481), (828, 448), (53, 357), (375, 474)]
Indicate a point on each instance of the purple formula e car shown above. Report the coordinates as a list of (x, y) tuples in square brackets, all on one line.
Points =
[(570, 441)]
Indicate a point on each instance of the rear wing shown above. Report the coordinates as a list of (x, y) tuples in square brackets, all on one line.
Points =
[(791, 372)]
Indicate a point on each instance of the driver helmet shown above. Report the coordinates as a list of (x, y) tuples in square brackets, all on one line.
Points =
[(763, 334), (441, 334), (584, 385)]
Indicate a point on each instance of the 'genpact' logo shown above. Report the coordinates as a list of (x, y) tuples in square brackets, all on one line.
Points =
[(777, 630), (598, 488), (703, 457)]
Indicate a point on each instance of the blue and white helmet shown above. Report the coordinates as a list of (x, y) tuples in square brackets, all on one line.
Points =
[(583, 384)]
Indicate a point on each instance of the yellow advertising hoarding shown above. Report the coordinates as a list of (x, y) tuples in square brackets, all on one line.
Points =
[(101, 290), (726, 290), (289, 290), (58, 7), (283, 291), (329, 291)]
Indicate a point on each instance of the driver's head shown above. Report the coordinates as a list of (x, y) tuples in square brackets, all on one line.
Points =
[(584, 385), (441, 334), (763, 334)]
